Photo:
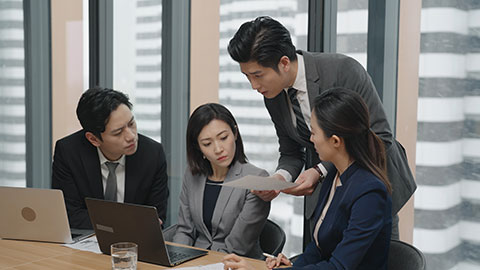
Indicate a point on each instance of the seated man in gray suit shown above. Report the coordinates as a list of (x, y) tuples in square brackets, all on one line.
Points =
[(108, 159), (290, 80)]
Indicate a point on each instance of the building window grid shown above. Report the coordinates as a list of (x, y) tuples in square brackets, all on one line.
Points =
[(12, 95), (447, 202)]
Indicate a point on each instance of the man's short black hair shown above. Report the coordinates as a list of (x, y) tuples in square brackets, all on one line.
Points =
[(96, 105), (263, 40)]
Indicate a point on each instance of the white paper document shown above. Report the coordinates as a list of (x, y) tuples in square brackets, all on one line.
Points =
[(88, 244), (259, 183), (216, 266)]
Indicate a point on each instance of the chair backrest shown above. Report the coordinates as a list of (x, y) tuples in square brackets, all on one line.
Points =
[(403, 256), (272, 238), (169, 232)]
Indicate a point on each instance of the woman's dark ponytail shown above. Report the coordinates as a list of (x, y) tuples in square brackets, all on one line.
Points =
[(342, 112)]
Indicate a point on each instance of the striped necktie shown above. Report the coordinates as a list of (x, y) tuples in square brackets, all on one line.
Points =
[(302, 127)]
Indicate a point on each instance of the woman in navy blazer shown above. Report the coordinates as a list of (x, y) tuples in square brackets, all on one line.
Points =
[(353, 216)]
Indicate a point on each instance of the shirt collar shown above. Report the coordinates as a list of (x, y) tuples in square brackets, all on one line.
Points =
[(103, 159), (348, 172), (300, 81)]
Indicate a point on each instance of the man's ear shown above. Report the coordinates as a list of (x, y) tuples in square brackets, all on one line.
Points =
[(284, 63), (93, 139)]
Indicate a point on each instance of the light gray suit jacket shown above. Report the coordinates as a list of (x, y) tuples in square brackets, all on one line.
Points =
[(324, 71), (237, 221)]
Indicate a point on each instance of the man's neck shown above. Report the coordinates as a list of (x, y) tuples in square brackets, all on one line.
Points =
[(292, 73)]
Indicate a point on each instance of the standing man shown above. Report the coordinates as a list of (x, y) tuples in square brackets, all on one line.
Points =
[(108, 159), (290, 80)]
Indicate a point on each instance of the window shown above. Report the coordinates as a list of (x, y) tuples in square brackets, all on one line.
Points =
[(137, 60), (447, 202), (12, 95), (352, 29), (255, 125)]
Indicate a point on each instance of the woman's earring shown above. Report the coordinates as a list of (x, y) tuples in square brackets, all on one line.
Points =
[(204, 157)]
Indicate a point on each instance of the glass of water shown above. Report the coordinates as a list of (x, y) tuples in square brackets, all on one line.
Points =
[(124, 256)]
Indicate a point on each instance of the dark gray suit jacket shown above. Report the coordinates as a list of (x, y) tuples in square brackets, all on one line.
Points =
[(237, 221), (324, 71)]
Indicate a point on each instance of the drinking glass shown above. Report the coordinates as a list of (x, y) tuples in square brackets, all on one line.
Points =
[(124, 256)]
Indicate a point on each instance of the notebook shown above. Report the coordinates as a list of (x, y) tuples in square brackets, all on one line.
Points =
[(36, 215), (122, 222)]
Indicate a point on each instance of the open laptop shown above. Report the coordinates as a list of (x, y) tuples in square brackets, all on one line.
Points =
[(122, 222), (36, 215)]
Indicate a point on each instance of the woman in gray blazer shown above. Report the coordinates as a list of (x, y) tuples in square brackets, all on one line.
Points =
[(212, 216)]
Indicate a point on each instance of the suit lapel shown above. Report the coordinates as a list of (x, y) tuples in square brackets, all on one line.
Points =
[(324, 195), (131, 181), (224, 196), (280, 113), (91, 164), (285, 115), (311, 74)]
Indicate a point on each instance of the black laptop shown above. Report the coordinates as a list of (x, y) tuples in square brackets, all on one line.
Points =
[(122, 222)]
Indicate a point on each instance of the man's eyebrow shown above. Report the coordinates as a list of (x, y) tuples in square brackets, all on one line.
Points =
[(116, 130), (120, 128)]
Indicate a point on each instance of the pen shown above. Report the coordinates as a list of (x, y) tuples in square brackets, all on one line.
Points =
[(269, 255)]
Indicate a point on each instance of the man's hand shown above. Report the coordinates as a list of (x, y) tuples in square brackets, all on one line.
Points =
[(269, 195), (307, 181), (160, 221)]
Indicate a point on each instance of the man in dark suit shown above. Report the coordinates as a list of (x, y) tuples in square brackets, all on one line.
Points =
[(289, 80), (108, 159)]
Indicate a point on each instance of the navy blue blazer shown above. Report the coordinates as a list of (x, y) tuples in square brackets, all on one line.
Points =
[(355, 233)]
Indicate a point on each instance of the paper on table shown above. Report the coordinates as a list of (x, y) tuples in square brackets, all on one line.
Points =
[(259, 183), (216, 266), (88, 244)]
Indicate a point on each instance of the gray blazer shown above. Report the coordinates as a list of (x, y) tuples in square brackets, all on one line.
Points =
[(237, 220), (324, 71)]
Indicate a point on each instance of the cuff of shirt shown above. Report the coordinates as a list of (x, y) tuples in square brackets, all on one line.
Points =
[(323, 169), (285, 174)]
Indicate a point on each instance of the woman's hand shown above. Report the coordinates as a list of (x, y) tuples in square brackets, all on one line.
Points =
[(276, 262), (232, 261)]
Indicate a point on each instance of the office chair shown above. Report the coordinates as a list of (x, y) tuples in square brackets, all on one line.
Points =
[(403, 256), (169, 232), (272, 238)]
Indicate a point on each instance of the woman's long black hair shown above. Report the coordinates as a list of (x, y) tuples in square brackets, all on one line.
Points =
[(343, 112)]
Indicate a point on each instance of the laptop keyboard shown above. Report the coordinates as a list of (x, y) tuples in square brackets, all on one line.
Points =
[(177, 254)]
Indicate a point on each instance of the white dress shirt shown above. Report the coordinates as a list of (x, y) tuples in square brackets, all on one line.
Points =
[(300, 85), (119, 171)]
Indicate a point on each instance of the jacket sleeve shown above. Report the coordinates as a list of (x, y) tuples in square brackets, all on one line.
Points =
[(399, 173), (62, 178), (246, 231), (354, 76), (158, 196), (185, 232)]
